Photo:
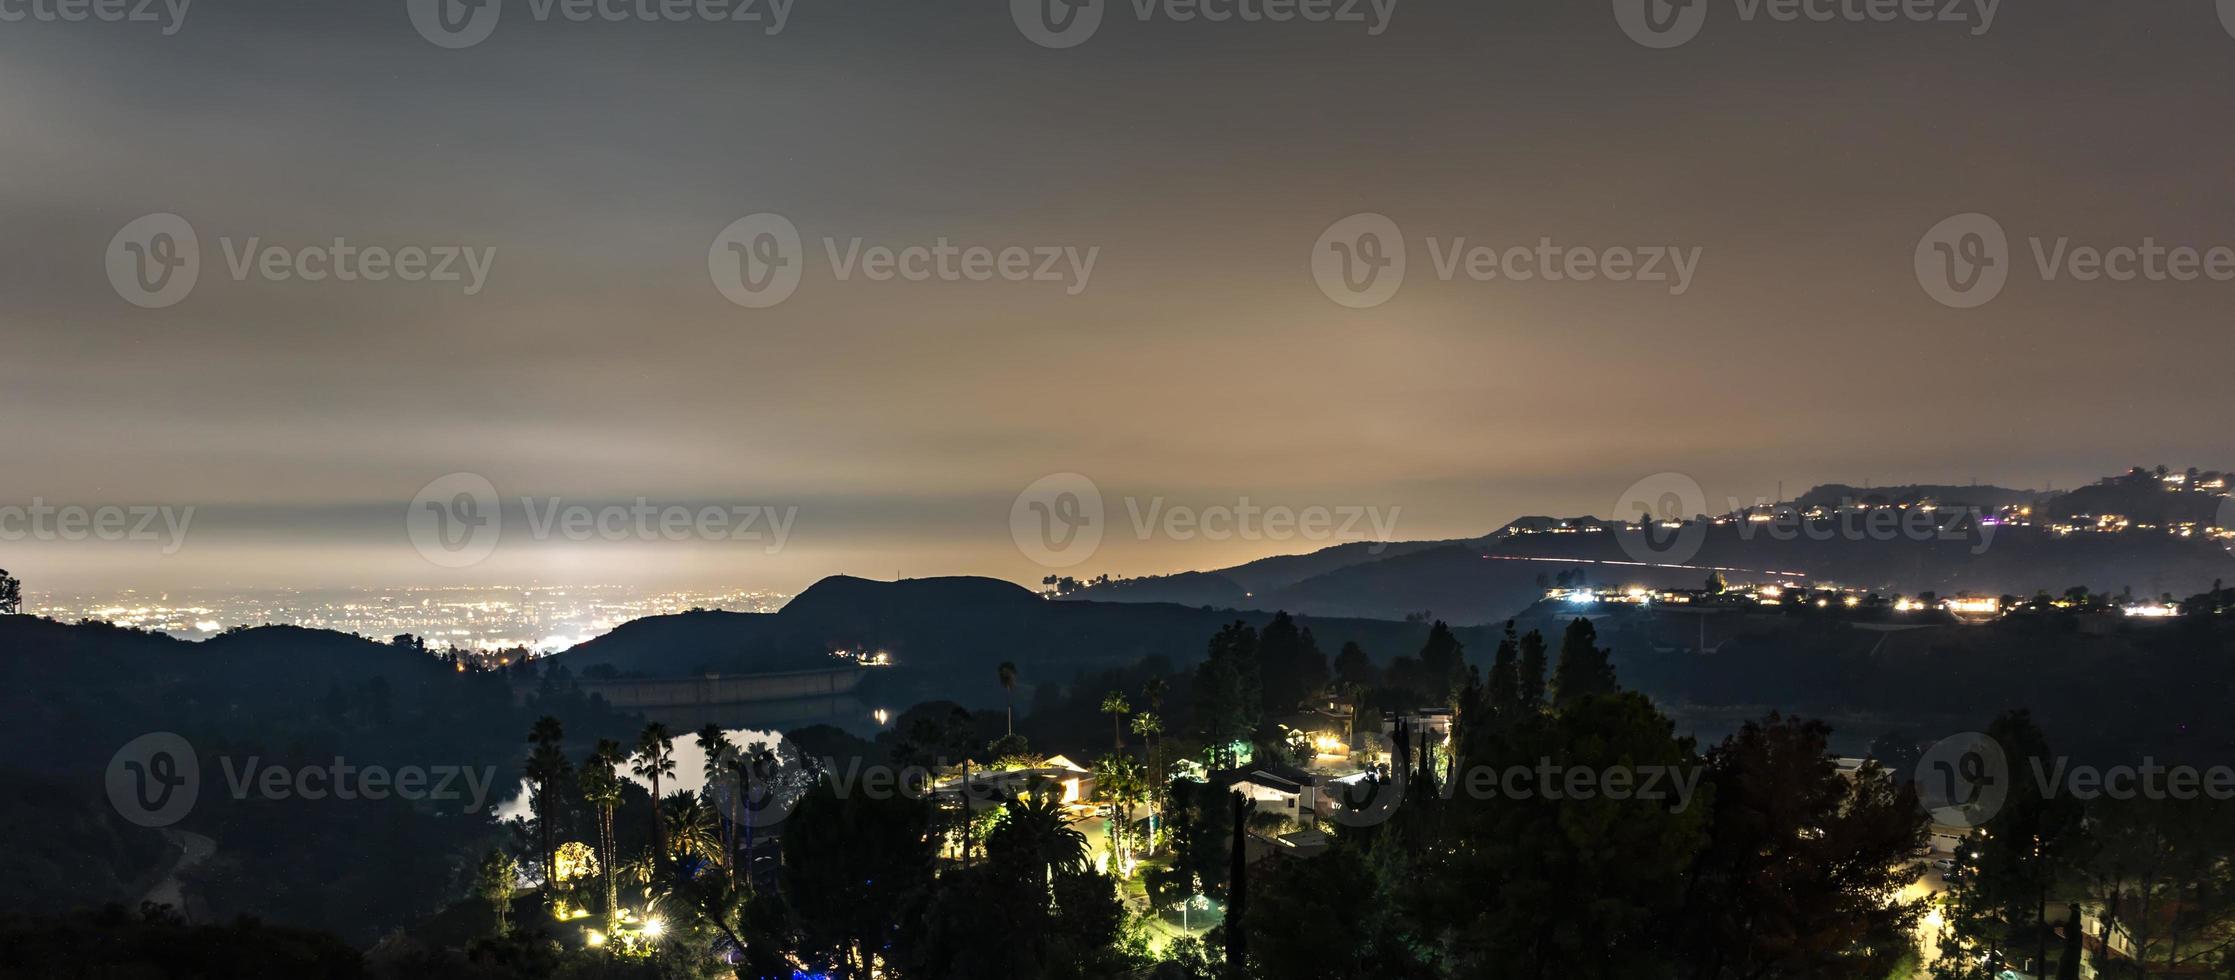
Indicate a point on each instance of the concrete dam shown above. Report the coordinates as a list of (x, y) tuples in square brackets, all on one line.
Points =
[(719, 690)]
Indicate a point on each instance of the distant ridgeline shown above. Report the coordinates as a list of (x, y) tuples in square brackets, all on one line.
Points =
[(2152, 531), (942, 634)]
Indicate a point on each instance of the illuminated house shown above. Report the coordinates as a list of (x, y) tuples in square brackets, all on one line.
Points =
[(988, 789), (1289, 792)]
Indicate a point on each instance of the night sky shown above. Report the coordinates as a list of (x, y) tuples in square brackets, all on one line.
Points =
[(1200, 363)]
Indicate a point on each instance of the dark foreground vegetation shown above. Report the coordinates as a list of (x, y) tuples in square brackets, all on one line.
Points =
[(1757, 856)]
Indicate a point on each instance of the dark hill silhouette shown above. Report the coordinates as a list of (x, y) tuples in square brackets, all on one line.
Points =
[(1281, 571), (947, 635), (1988, 497), (845, 593), (1185, 588)]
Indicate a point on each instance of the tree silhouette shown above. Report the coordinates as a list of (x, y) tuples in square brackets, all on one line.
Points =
[(1585, 669), (1505, 673), (11, 594), (1034, 840), (1008, 675), (1114, 705), (1532, 670), (718, 792), (493, 883), (1804, 867), (654, 761), (601, 787), (546, 769), (693, 827), (1237, 894)]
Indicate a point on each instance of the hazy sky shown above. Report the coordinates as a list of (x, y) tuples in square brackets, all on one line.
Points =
[(1200, 362)]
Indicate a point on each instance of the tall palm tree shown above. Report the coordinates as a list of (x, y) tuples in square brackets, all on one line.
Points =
[(1008, 674), (654, 761), (601, 786), (718, 792), (1155, 689), (1150, 726), (546, 769), (1114, 705)]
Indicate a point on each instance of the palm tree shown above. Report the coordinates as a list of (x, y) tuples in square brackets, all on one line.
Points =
[(1149, 725), (1118, 779), (1113, 704), (1033, 836), (546, 769), (741, 777), (655, 760), (718, 790), (1156, 688), (694, 829), (1008, 673), (601, 786)]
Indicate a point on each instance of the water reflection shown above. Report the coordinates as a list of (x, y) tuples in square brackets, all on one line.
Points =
[(746, 725)]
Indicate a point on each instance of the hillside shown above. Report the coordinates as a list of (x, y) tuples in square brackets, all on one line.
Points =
[(1485, 580), (946, 634), (2144, 497), (2111, 689), (1986, 497)]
